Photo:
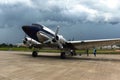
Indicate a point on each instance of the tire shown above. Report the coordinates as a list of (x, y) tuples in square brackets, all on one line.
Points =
[(62, 56), (34, 54)]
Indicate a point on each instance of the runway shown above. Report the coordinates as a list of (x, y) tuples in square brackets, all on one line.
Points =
[(48, 66)]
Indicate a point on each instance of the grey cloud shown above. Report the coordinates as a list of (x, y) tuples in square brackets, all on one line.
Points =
[(79, 15), (61, 11)]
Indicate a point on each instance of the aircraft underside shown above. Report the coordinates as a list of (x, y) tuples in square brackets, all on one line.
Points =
[(63, 53)]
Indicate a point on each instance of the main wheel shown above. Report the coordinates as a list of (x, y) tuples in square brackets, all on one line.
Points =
[(62, 56), (34, 54)]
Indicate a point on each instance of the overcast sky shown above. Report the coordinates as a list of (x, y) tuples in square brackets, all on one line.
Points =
[(78, 19)]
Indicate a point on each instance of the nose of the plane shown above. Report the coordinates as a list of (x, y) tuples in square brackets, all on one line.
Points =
[(28, 30), (25, 28), (31, 31)]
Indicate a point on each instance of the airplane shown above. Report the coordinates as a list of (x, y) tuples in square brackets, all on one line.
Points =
[(41, 36)]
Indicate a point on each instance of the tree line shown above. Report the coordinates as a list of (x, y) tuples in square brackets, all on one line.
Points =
[(7, 45)]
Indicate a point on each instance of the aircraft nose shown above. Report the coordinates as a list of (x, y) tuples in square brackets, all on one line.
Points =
[(31, 31), (25, 28)]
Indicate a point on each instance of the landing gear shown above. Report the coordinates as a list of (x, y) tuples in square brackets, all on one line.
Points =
[(67, 52), (73, 54), (62, 56), (34, 54)]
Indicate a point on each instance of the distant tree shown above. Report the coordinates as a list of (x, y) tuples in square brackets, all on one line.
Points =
[(10, 45), (3, 45)]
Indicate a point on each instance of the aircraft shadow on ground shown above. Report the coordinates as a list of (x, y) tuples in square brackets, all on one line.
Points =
[(96, 59), (73, 58)]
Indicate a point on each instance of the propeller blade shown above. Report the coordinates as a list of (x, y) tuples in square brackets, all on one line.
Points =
[(60, 45), (47, 41), (24, 40), (57, 30), (57, 38)]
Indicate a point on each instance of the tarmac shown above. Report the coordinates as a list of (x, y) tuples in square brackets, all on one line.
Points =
[(16, 65)]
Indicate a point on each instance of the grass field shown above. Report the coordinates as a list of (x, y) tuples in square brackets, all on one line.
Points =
[(26, 49), (102, 51)]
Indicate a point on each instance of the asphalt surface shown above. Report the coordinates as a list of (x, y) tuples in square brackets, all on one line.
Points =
[(48, 66)]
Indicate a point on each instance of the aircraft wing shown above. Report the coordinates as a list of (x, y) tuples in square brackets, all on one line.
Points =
[(93, 43)]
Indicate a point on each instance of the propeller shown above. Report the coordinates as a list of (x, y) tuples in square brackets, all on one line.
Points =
[(26, 41), (55, 39), (56, 33)]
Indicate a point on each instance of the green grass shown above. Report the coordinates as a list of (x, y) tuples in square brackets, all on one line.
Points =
[(26, 49), (13, 49), (111, 51)]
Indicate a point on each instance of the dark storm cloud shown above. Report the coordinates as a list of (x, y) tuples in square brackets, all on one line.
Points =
[(18, 12), (13, 15), (78, 15)]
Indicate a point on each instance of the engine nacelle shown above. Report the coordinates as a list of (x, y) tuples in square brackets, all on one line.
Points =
[(29, 42)]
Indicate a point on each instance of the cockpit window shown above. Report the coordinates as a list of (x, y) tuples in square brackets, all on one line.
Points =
[(40, 26)]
